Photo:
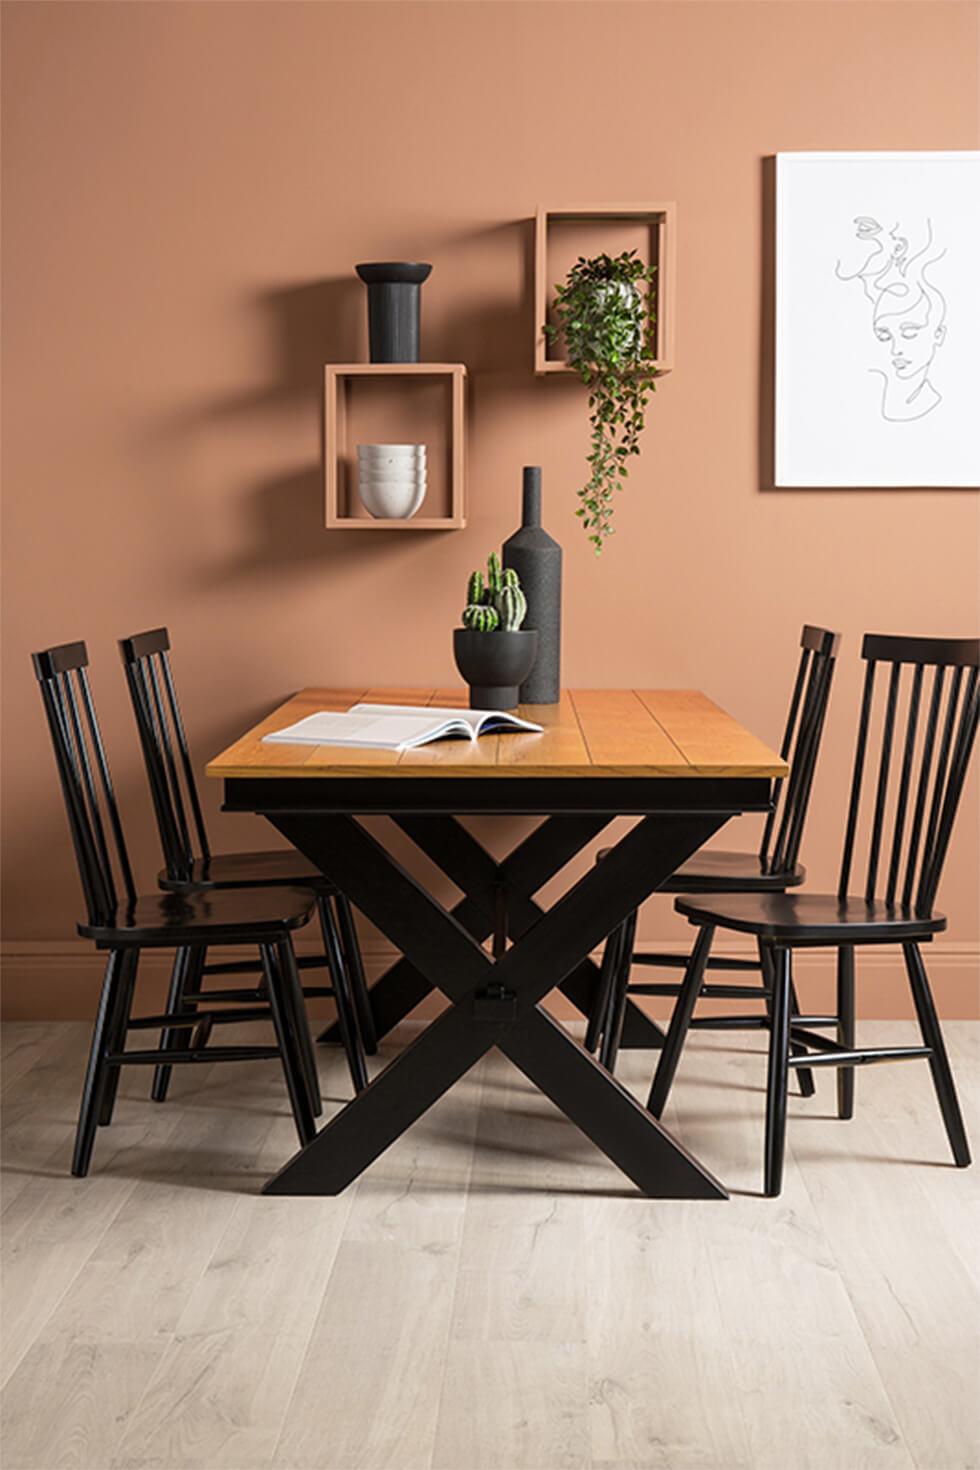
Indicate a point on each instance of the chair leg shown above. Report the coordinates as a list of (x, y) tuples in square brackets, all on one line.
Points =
[(805, 1080), (292, 1062), (97, 1069), (680, 1021), (778, 1078), (845, 1027), (804, 1075), (932, 1036), (355, 971), (346, 1021), (293, 993), (185, 974), (607, 979), (117, 1032), (617, 1005)]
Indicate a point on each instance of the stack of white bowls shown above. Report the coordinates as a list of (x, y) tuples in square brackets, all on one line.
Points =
[(391, 479)]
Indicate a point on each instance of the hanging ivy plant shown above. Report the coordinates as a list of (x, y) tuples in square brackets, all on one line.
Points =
[(605, 314)]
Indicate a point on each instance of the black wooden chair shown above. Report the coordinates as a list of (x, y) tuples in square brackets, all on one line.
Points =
[(125, 926), (170, 773), (773, 868), (897, 905)]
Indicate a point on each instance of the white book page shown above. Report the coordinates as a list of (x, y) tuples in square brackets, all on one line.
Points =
[(476, 720), (362, 728)]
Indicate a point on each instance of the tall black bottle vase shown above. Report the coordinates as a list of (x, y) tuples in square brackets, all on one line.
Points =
[(536, 558)]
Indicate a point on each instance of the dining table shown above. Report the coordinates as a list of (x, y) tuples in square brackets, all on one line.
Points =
[(671, 759)]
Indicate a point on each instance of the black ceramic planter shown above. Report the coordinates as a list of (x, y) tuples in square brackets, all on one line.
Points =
[(494, 665), (394, 308)]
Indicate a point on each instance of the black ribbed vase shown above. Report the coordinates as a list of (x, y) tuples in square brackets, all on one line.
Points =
[(536, 558), (394, 308)]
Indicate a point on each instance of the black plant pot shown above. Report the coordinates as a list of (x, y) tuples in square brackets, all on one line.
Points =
[(394, 308), (494, 665)]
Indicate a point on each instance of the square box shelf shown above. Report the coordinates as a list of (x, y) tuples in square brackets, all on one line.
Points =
[(395, 403), (562, 235)]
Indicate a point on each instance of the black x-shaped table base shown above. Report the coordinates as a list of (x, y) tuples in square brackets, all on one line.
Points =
[(495, 1000), (499, 898)]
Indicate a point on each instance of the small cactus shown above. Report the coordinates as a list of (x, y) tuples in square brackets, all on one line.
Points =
[(511, 607), (494, 602), (481, 618)]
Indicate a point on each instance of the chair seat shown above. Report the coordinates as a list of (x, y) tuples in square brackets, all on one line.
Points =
[(811, 918), (726, 872), (229, 916), (281, 867)]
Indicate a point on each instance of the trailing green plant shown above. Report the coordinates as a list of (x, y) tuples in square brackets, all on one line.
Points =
[(606, 314), (497, 603)]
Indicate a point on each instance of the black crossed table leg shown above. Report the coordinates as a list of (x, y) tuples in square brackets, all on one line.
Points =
[(494, 890), (495, 1001)]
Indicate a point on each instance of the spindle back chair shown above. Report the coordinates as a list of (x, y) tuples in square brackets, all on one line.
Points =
[(778, 867), (90, 800), (190, 865), (124, 923), (782, 835), (923, 717), (166, 754), (921, 774)]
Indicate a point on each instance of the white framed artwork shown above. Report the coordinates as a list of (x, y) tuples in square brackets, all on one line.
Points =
[(877, 319)]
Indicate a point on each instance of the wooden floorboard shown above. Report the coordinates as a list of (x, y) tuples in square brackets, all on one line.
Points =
[(491, 1294)]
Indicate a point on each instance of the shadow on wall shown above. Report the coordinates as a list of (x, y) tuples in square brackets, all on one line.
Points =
[(284, 532), (766, 417), (325, 320), (306, 325), (310, 323)]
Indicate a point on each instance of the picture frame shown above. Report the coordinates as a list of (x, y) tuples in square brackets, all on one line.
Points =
[(877, 319)]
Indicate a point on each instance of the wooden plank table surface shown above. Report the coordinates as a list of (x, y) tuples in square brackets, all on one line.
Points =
[(590, 732)]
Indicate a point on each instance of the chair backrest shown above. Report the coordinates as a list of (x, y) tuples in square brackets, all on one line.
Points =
[(915, 795), (165, 750), (79, 752), (800, 747)]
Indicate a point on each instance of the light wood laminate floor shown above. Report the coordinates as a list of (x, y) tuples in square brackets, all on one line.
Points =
[(489, 1294)]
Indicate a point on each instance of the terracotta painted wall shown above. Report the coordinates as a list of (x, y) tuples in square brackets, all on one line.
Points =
[(185, 190)]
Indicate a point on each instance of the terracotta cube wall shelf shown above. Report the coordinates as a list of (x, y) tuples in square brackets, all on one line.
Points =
[(584, 230), (395, 403)]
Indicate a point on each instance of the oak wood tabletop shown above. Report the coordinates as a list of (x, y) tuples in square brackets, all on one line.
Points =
[(590, 732)]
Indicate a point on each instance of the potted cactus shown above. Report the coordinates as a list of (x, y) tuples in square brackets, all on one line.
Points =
[(493, 652)]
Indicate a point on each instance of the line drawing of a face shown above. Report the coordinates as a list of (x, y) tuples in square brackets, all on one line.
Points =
[(907, 317), (910, 337)]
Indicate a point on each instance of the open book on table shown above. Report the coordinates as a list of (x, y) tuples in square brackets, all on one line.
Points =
[(397, 726)]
